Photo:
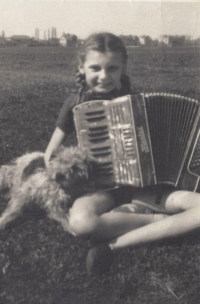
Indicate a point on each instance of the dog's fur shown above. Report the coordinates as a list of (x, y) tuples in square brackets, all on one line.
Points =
[(53, 188)]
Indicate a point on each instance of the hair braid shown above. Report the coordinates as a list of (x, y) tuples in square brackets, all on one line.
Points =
[(81, 84), (80, 81), (125, 83)]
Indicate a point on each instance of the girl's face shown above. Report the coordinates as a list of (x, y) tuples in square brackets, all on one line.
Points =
[(103, 71)]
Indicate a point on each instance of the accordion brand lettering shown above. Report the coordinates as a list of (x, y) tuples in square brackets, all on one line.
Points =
[(143, 141)]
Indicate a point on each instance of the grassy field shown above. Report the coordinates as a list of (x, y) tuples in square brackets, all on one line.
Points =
[(39, 262)]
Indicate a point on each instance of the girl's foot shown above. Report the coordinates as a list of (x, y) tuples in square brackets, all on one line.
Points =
[(99, 259)]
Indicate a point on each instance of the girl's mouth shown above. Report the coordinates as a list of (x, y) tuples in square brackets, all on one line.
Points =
[(104, 85)]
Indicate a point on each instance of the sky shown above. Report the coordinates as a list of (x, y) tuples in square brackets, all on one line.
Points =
[(128, 17)]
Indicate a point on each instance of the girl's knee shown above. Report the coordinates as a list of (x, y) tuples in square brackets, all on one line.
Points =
[(83, 223), (183, 200), (84, 215), (94, 203)]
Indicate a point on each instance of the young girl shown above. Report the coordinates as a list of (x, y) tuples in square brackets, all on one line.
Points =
[(110, 216)]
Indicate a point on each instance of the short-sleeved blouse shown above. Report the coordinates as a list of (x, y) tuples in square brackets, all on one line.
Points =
[(65, 118)]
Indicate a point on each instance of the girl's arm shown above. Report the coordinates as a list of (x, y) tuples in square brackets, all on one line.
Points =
[(56, 140)]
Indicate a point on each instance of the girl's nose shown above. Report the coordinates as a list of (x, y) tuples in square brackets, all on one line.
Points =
[(103, 74)]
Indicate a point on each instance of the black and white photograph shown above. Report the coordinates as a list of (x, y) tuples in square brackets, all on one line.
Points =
[(99, 152)]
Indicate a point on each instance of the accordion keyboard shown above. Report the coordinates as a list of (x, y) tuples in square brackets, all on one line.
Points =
[(94, 136), (106, 130)]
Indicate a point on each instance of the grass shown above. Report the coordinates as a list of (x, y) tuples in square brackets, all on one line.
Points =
[(39, 262)]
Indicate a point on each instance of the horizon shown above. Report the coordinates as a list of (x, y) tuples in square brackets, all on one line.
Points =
[(40, 38), (119, 17)]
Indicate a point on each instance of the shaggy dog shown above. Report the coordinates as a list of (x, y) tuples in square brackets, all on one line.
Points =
[(54, 188)]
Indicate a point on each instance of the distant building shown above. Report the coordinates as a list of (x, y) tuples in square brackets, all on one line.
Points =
[(173, 40), (37, 34), (145, 40), (130, 40), (164, 39), (142, 40), (53, 42), (20, 40), (69, 40), (2, 41), (176, 40)]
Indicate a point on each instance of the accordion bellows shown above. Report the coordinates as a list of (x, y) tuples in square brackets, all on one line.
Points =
[(142, 140)]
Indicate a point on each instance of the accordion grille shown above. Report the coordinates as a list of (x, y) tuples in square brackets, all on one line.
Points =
[(172, 119)]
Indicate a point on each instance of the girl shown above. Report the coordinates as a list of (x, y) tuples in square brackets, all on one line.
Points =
[(102, 75)]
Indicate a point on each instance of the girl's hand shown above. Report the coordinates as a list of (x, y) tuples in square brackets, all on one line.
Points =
[(53, 145)]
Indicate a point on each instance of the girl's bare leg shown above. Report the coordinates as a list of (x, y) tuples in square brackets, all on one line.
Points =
[(92, 214), (185, 207)]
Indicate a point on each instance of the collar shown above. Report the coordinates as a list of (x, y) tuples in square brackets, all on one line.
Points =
[(108, 96)]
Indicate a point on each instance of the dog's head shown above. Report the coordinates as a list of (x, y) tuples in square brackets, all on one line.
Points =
[(70, 168)]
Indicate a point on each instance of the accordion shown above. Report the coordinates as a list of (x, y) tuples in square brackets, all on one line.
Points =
[(142, 140)]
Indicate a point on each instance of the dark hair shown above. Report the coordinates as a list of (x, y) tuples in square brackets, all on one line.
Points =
[(101, 42)]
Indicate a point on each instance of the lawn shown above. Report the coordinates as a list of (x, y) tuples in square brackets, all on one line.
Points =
[(39, 262)]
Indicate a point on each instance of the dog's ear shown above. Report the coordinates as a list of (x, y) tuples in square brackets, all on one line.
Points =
[(32, 166)]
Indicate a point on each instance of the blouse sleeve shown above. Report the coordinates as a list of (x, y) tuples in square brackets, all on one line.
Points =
[(65, 120)]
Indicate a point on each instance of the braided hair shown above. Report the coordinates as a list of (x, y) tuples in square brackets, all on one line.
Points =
[(102, 42), (80, 81)]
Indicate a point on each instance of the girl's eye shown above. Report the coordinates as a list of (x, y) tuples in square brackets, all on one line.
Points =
[(95, 68)]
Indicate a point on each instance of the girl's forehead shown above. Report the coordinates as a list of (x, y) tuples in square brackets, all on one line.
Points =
[(108, 57)]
